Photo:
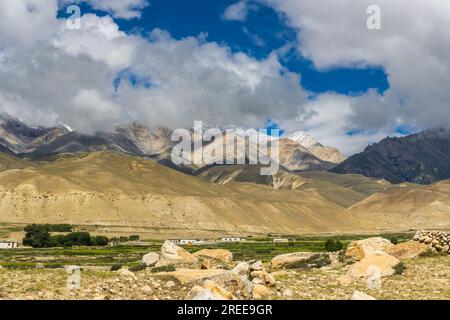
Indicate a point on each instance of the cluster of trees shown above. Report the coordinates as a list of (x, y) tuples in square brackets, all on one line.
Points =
[(38, 236), (332, 246)]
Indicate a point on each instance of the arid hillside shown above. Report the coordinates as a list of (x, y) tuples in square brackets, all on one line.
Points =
[(113, 189)]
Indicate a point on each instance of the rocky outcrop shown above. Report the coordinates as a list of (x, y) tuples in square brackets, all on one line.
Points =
[(438, 240), (300, 260), (218, 254), (357, 250), (408, 250), (150, 259), (171, 253)]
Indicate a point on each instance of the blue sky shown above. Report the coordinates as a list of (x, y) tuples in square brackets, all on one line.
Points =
[(263, 31), (248, 63)]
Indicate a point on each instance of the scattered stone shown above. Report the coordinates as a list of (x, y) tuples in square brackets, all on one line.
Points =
[(260, 291), (288, 293), (209, 291), (264, 276), (40, 265), (257, 266), (359, 249), (126, 273), (217, 254), (170, 284), (358, 295), (147, 290), (345, 280), (206, 264), (242, 268), (150, 259)]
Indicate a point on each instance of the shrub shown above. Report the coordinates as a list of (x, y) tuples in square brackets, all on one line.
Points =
[(116, 266), (399, 268), (134, 237), (139, 267), (333, 246)]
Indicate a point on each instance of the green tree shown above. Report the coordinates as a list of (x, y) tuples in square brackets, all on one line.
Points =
[(37, 236), (100, 241)]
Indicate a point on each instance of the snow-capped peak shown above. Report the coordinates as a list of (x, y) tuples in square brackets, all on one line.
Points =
[(304, 139)]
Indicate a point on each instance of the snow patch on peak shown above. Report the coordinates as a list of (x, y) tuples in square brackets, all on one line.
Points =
[(304, 139)]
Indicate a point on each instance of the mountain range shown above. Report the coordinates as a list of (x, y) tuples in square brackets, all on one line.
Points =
[(298, 152), (126, 178), (421, 158)]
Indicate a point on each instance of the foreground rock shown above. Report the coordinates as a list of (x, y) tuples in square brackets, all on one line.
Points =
[(261, 292), (209, 291), (173, 254), (150, 259), (408, 250), (380, 262), (438, 240), (359, 249), (358, 295), (217, 254), (300, 260)]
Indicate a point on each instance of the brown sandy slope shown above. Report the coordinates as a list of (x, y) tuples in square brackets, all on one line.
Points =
[(407, 206), (113, 189)]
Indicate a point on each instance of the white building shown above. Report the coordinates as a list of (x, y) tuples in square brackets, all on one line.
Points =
[(282, 240), (187, 241), (8, 244), (232, 239)]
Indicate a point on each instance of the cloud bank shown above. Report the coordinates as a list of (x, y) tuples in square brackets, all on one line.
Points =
[(97, 77)]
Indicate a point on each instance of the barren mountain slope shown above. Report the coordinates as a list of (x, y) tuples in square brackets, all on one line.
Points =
[(251, 173), (343, 189), (109, 188)]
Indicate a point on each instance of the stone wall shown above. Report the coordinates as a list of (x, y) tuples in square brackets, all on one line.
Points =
[(439, 240)]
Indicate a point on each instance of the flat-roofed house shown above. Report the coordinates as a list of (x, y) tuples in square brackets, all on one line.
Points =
[(8, 244)]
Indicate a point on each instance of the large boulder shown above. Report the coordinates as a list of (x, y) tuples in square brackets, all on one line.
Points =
[(408, 250), (217, 254), (380, 261), (358, 295), (150, 259), (261, 292), (265, 277), (300, 260), (242, 269), (359, 249), (173, 254), (210, 291)]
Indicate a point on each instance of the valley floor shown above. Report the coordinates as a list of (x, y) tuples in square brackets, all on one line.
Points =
[(423, 278)]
